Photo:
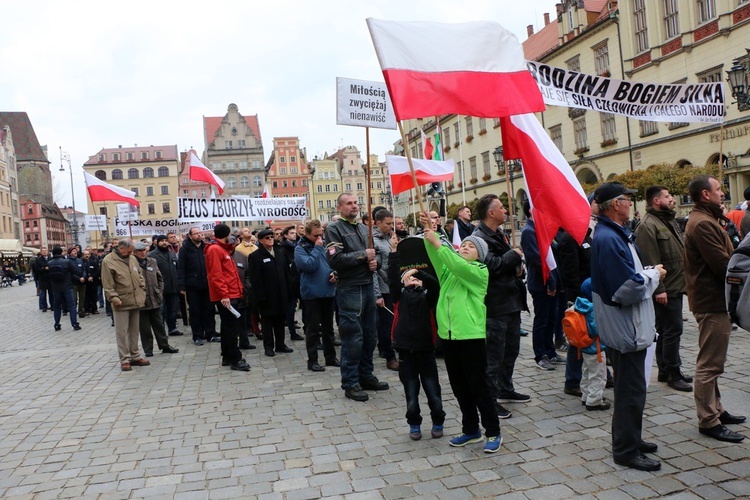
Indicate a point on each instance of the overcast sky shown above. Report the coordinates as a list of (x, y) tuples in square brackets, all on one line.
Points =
[(95, 74)]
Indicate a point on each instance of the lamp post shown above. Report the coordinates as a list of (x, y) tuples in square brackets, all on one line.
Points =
[(513, 167), (737, 79), (74, 226)]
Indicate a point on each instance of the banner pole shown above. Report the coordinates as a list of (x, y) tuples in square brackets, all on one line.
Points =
[(510, 195), (461, 159), (411, 168), (721, 155), (369, 194)]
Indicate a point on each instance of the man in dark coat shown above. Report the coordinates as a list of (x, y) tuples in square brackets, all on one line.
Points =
[(40, 270), (288, 243), (269, 275), (166, 259), (192, 281), (62, 273), (93, 279)]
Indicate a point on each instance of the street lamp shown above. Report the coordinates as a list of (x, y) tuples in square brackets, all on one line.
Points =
[(737, 79), (74, 226), (513, 167)]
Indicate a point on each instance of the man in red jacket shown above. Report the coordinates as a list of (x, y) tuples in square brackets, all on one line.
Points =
[(225, 287)]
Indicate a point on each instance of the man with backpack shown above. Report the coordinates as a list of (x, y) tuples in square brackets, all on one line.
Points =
[(61, 274)]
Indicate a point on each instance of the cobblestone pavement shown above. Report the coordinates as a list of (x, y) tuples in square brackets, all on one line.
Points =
[(73, 425)]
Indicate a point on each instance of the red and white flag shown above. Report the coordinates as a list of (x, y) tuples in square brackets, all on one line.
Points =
[(555, 195), (426, 171), (199, 172), (480, 72), (456, 236), (102, 191)]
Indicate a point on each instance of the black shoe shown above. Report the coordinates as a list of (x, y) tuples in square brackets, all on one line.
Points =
[(213, 339), (44, 310), (224, 362), (604, 405), (176, 333), (76, 327), (374, 384), (356, 393), (285, 349), (149, 354), (170, 350), (270, 353), (610, 383), (641, 462), (315, 367), (722, 434), (514, 397), (294, 336), (333, 362), (573, 392), (58, 328), (648, 447), (686, 378), (83, 315), (248, 346), (502, 412), (727, 418), (240, 365), (663, 376), (678, 384)]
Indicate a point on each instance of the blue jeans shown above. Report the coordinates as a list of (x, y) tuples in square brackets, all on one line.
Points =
[(358, 333), (66, 295), (385, 325), (573, 368), (419, 366), (545, 321), (44, 292)]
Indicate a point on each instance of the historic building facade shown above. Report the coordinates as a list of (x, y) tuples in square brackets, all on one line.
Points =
[(637, 41), (9, 210), (44, 225), (34, 176), (149, 172), (326, 185), (234, 151)]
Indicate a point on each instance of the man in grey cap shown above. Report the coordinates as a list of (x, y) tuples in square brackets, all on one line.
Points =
[(622, 291), (150, 314)]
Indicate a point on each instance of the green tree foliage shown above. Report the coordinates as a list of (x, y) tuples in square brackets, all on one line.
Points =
[(676, 179)]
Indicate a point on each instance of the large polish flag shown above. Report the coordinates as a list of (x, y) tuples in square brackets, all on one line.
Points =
[(426, 171), (199, 172), (102, 191), (555, 195), (480, 72)]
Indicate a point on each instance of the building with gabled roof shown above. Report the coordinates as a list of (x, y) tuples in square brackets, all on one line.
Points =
[(34, 176), (287, 171), (9, 209)]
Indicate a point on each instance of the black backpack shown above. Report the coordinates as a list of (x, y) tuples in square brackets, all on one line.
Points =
[(736, 292), (57, 272)]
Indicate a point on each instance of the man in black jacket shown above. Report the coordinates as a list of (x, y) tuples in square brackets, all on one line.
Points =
[(270, 276), (506, 298), (93, 279), (192, 281), (167, 262), (62, 272), (40, 270), (349, 255)]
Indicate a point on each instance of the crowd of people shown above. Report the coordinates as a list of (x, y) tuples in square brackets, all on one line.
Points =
[(466, 304)]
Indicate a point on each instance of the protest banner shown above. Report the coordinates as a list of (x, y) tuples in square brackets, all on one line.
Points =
[(658, 102), (242, 208), (150, 227), (363, 104), (96, 222), (126, 211)]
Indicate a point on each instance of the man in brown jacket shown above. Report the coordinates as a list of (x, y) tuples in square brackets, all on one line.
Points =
[(708, 249), (125, 289)]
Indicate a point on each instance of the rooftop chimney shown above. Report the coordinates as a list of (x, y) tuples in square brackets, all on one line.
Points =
[(529, 30), (546, 18)]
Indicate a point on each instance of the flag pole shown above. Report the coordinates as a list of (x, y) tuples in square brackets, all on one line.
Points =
[(721, 154), (369, 196), (510, 196), (411, 168), (461, 159)]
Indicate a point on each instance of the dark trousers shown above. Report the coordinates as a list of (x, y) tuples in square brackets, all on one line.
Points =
[(503, 346), (243, 327), (358, 330), (573, 368), (291, 309), (183, 308), (202, 321), (273, 331), (229, 329), (64, 296), (543, 330), (91, 297), (669, 327), (630, 399), (169, 306), (466, 362), (45, 293), (319, 326), (150, 320), (385, 325), (420, 368), (79, 294)]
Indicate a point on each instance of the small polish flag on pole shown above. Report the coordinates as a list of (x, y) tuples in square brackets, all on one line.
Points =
[(199, 172), (102, 191), (426, 171)]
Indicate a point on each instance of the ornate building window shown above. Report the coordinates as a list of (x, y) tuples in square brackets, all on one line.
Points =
[(640, 25), (101, 175), (116, 174), (132, 173), (148, 173), (671, 19), (163, 172)]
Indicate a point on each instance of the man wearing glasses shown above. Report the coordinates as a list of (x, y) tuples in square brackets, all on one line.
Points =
[(622, 292)]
